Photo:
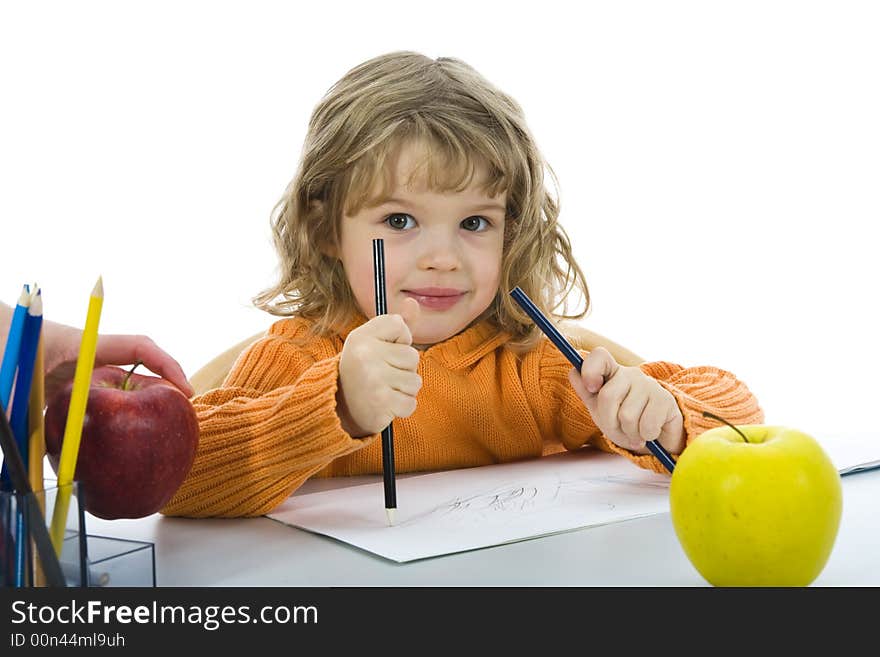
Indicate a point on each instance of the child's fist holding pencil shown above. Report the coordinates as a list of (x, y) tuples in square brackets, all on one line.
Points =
[(378, 378), (627, 405)]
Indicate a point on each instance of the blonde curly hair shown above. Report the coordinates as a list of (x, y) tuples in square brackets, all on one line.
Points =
[(467, 124)]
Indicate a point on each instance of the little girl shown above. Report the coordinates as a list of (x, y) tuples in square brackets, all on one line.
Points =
[(432, 158)]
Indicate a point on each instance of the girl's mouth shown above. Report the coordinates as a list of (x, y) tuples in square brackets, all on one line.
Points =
[(436, 298)]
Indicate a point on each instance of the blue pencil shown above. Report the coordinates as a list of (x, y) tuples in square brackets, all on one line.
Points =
[(10, 364), (13, 345), (19, 419), (575, 359), (30, 337)]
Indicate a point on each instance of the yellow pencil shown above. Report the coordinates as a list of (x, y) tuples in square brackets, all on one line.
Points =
[(37, 443), (76, 413)]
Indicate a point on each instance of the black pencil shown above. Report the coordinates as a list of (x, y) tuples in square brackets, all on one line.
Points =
[(36, 521), (387, 432), (576, 359)]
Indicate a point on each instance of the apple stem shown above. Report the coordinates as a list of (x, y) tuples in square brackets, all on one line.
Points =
[(721, 419), (129, 373)]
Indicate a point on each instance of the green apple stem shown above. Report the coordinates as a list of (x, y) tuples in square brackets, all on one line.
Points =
[(722, 420), (129, 373)]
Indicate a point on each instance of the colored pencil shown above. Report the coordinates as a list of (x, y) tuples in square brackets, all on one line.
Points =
[(36, 521), (387, 432), (13, 344), (576, 359), (9, 366), (27, 354), (76, 411), (8, 371), (26, 357), (37, 440), (36, 422)]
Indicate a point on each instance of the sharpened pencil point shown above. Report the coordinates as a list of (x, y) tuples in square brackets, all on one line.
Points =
[(24, 299), (35, 309), (390, 514)]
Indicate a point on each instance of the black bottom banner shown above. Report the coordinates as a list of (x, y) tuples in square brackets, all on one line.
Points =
[(368, 618)]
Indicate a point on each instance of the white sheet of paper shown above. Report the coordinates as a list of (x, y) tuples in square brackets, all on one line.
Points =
[(458, 510)]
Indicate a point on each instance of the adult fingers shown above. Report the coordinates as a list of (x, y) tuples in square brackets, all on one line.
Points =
[(129, 349), (58, 376)]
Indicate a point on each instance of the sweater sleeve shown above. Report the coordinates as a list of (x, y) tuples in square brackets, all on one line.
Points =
[(695, 389), (270, 427)]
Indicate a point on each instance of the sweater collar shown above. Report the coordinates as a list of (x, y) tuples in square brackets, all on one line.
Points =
[(458, 352)]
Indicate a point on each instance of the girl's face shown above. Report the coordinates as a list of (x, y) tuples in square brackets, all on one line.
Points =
[(441, 249)]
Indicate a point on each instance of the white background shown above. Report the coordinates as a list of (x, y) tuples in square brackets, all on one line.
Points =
[(718, 165)]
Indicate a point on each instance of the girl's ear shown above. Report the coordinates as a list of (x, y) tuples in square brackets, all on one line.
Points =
[(325, 242)]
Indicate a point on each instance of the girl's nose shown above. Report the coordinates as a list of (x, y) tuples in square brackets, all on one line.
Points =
[(439, 251)]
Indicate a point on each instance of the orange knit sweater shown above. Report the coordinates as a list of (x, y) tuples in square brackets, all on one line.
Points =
[(273, 423)]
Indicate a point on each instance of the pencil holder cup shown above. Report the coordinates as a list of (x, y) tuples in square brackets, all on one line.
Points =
[(117, 562), (61, 514)]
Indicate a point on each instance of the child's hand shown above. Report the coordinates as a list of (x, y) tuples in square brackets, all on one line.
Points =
[(377, 373), (627, 405)]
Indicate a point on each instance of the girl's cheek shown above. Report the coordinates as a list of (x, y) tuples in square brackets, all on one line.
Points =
[(397, 266), (490, 265), (360, 279)]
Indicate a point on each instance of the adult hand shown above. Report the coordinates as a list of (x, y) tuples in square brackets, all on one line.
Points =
[(61, 347)]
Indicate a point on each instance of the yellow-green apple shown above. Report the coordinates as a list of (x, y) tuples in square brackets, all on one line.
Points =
[(139, 440), (756, 505)]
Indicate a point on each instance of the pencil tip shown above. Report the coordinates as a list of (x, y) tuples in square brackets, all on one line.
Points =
[(36, 307), (390, 514), (98, 291), (24, 298)]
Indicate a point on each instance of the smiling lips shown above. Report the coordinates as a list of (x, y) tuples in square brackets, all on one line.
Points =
[(435, 298)]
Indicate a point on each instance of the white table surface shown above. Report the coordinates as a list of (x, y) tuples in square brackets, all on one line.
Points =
[(640, 552)]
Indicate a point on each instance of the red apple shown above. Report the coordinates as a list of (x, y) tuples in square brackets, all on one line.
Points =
[(139, 439)]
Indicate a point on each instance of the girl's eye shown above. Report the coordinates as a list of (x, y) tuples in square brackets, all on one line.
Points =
[(475, 223), (398, 220)]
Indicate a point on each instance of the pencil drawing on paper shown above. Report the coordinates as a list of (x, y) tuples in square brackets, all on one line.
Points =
[(515, 500)]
